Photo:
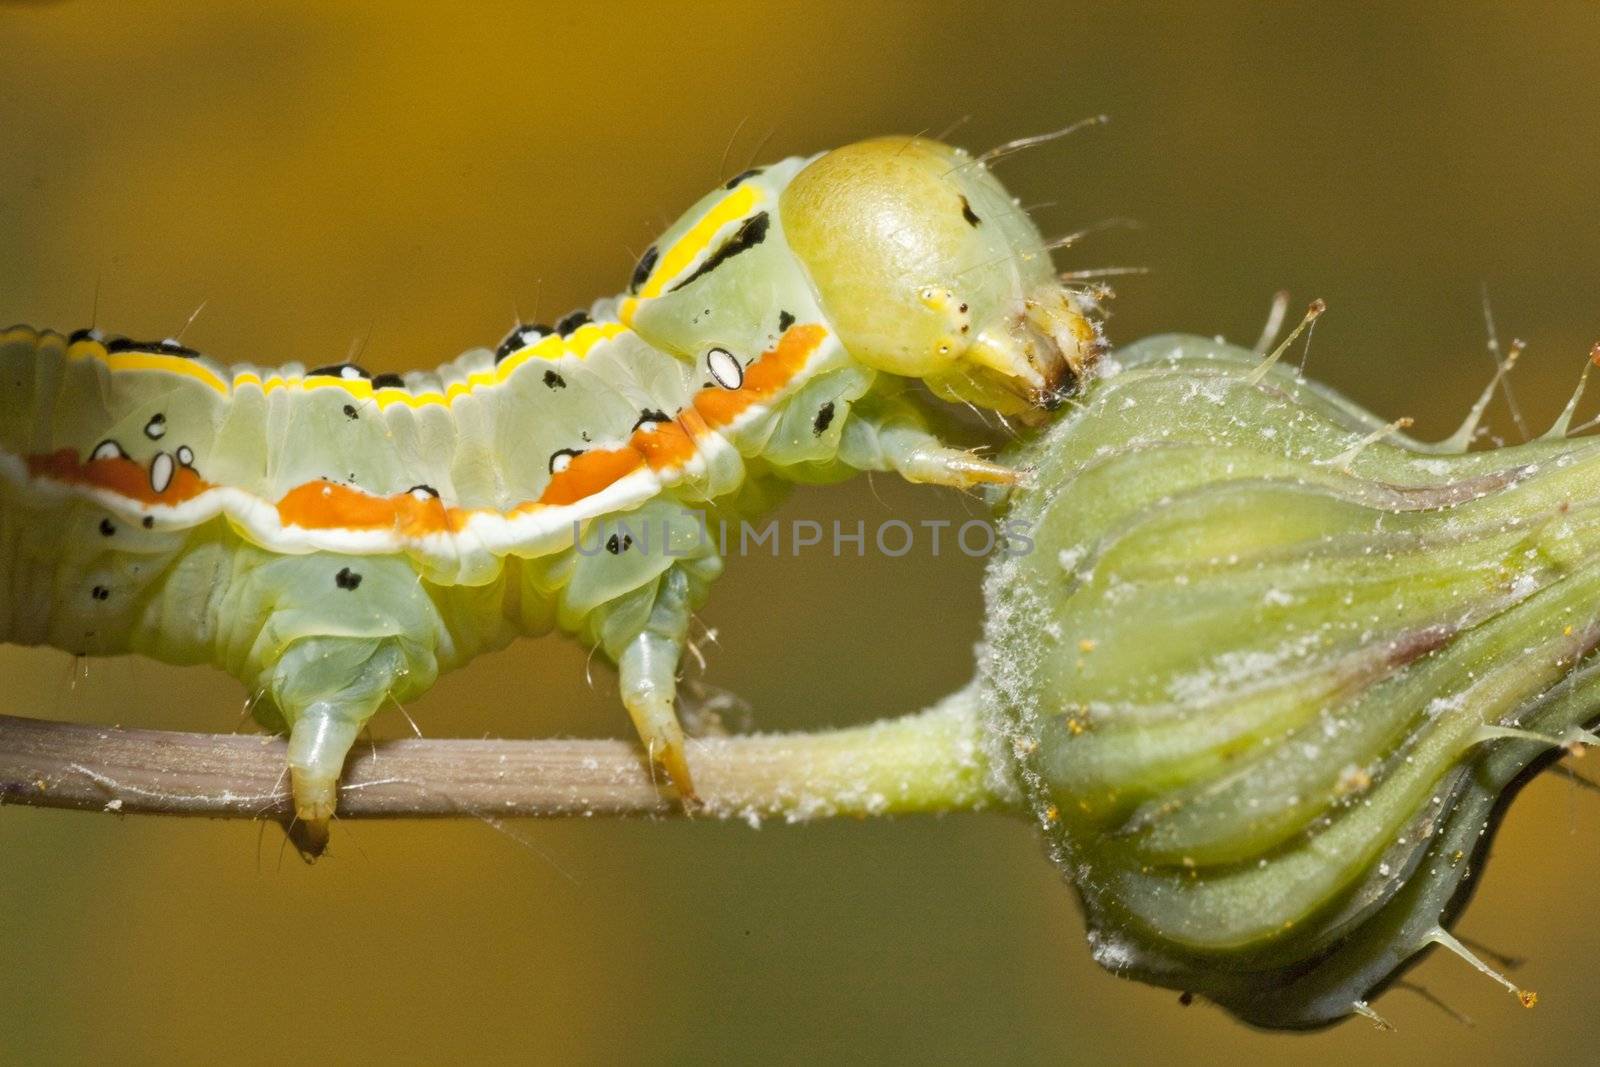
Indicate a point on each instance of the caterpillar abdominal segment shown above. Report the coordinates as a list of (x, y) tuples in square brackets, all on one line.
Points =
[(334, 538)]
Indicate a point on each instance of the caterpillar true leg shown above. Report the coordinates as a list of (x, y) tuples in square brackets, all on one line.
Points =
[(935, 464), (891, 435)]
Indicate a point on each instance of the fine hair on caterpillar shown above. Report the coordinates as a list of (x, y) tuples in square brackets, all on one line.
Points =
[(336, 538)]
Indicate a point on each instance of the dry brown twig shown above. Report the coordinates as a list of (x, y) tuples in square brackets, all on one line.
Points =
[(925, 762)]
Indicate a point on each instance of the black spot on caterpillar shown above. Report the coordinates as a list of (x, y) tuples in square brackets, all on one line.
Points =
[(617, 547), (571, 322), (651, 415), (751, 233), (554, 380), (350, 412), (107, 528), (642, 269), (520, 338), (824, 419), (560, 458), (347, 371), (388, 381), (734, 181), (785, 320), (347, 579), (85, 334), (967, 213), (148, 522), (169, 347), (100, 592)]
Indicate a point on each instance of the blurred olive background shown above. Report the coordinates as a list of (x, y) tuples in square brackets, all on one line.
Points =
[(400, 177)]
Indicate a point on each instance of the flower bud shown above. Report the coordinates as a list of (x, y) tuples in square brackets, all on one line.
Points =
[(1271, 667)]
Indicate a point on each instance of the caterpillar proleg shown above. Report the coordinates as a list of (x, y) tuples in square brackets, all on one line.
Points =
[(334, 539)]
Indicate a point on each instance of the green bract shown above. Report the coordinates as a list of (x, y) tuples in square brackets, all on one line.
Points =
[(1269, 670)]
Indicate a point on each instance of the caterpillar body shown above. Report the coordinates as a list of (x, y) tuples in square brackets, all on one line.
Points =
[(335, 539)]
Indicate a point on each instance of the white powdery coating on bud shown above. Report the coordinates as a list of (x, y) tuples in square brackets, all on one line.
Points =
[(1248, 723)]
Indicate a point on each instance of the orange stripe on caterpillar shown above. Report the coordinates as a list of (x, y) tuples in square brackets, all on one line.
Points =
[(324, 505), (590, 473), (118, 474), (668, 445)]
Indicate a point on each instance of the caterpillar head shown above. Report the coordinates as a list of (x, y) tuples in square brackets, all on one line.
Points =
[(927, 268), (909, 251)]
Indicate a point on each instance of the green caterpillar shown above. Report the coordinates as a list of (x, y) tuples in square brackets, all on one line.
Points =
[(334, 539)]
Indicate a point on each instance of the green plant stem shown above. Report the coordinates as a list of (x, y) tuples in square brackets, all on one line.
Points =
[(932, 761)]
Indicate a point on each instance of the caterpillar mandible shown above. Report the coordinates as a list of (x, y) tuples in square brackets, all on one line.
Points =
[(333, 539)]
